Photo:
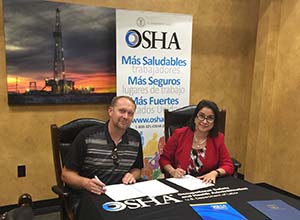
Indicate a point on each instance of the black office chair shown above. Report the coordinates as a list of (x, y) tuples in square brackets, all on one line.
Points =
[(62, 138), (180, 117), (19, 213)]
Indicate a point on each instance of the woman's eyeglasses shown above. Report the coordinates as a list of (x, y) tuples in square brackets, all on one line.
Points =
[(115, 157), (209, 118)]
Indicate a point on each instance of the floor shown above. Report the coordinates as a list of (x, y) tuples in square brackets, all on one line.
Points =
[(48, 216), (51, 212)]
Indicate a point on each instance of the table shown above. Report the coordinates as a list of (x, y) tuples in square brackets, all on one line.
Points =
[(176, 206)]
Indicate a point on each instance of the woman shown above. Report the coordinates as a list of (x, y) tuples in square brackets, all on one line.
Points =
[(198, 149)]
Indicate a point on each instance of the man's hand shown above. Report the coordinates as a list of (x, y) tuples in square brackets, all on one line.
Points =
[(128, 178), (95, 186)]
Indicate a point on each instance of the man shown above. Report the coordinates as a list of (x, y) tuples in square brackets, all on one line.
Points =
[(107, 154)]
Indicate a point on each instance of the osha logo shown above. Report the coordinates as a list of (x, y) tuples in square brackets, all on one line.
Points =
[(152, 40), (140, 203), (113, 206)]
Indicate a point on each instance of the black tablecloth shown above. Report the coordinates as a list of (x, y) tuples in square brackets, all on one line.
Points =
[(234, 191)]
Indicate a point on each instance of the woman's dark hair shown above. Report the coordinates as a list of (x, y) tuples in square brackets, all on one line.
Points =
[(211, 105)]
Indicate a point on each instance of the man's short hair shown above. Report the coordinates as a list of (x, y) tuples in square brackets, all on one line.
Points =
[(116, 98)]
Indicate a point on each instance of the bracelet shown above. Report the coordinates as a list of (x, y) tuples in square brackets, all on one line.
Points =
[(219, 173)]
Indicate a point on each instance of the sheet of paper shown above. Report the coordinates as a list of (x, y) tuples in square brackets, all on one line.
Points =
[(120, 192), (154, 188), (151, 188), (189, 182)]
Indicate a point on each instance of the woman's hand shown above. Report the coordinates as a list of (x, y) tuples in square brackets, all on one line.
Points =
[(177, 173), (209, 177)]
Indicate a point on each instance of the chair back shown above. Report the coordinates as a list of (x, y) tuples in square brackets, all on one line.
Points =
[(180, 117), (62, 138), (19, 213)]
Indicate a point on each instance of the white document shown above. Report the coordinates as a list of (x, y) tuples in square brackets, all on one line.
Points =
[(189, 182), (120, 192), (151, 188)]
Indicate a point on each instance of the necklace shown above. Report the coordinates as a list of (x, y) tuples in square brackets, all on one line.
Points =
[(199, 145)]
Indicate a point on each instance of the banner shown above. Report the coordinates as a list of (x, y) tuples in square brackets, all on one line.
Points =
[(153, 67)]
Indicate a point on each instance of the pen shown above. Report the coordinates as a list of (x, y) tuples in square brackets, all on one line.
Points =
[(97, 179), (103, 187), (181, 171)]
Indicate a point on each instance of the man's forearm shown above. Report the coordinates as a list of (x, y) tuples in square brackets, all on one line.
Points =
[(73, 179)]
